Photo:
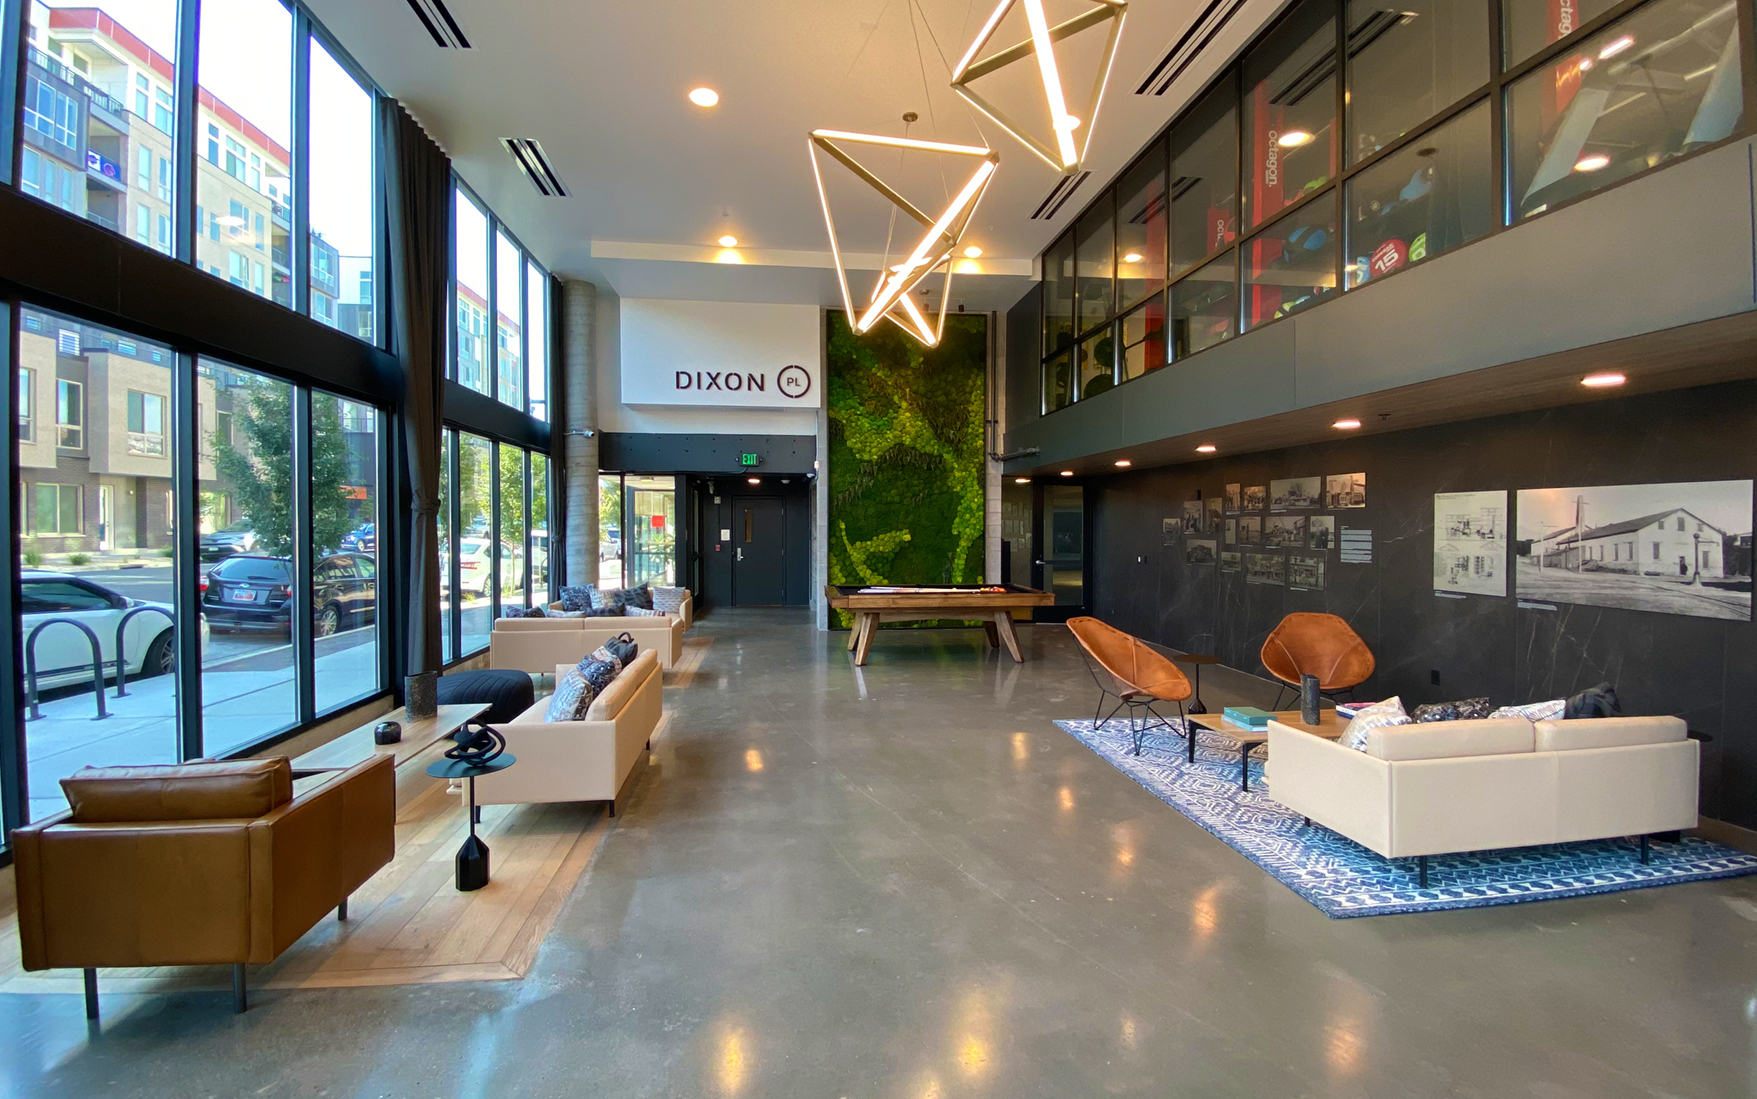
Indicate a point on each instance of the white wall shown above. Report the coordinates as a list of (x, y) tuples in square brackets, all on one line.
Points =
[(613, 415)]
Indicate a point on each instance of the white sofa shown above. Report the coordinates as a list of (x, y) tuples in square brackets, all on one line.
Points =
[(586, 760), (1449, 786), (537, 645)]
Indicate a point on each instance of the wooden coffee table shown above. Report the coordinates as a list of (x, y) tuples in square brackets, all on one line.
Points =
[(418, 735), (1330, 726)]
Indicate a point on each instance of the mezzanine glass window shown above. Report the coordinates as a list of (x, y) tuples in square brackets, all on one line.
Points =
[(1204, 307), (1142, 229), (1095, 264), (1407, 63), (1204, 179), (1425, 199), (1291, 265), (1290, 111), (1058, 296), (342, 173)]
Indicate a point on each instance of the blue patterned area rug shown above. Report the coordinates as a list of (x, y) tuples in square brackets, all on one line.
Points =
[(1344, 879)]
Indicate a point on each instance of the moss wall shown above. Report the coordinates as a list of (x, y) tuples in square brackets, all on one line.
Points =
[(906, 455)]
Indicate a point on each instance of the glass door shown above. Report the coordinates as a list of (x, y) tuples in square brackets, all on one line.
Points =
[(1060, 563), (649, 531)]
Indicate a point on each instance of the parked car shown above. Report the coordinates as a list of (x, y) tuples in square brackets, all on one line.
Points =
[(610, 546), (251, 591), (474, 573), (362, 539), (240, 537), (64, 654)]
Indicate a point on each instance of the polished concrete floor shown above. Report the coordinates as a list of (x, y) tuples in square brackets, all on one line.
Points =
[(903, 882)]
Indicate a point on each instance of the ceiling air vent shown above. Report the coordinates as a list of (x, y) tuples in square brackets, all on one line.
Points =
[(1058, 195), (437, 18), (1186, 49), (528, 154)]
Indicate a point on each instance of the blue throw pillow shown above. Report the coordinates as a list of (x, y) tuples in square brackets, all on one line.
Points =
[(598, 674), (572, 698), (577, 597)]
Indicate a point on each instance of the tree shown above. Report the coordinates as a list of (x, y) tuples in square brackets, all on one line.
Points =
[(259, 473)]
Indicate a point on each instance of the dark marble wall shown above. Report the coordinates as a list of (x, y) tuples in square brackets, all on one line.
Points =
[(1701, 669)]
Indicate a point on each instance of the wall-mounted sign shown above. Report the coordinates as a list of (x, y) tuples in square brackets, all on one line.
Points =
[(720, 354), (748, 459)]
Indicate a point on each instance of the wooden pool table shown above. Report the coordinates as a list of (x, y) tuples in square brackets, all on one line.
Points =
[(993, 604)]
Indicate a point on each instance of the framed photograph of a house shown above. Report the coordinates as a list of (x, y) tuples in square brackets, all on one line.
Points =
[(1265, 568), (1345, 490), (1470, 542), (1285, 532), (1296, 494), (1681, 548), (1256, 496), (1230, 561), (1200, 551), (1304, 571)]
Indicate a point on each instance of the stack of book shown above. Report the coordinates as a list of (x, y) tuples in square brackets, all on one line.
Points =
[(1248, 716)]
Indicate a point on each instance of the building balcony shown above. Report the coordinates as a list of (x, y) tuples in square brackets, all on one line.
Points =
[(102, 170)]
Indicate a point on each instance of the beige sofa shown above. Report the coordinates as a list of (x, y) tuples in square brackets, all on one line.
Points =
[(586, 760), (685, 608), (1449, 786), (537, 645)]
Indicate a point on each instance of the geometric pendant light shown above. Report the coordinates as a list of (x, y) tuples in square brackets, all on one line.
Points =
[(933, 251), (1061, 151)]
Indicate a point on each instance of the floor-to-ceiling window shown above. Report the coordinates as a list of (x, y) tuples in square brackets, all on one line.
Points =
[(537, 342), (97, 504), (491, 554), (344, 504), (541, 592), (340, 262), (470, 339)]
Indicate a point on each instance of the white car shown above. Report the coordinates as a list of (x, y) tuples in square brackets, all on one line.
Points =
[(64, 655), (474, 573)]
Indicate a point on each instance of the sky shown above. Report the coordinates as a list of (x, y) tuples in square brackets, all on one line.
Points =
[(247, 62), (1726, 504)]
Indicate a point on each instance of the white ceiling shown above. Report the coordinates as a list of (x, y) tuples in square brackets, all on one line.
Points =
[(655, 180)]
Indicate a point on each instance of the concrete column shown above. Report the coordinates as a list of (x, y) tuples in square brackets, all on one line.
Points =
[(579, 359)]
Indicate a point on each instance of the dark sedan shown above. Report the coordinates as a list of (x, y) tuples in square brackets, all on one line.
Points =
[(255, 592)]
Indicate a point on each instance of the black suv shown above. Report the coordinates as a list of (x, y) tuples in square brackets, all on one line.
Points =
[(250, 591)]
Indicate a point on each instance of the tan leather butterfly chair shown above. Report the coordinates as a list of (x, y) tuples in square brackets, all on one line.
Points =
[(1132, 671), (1317, 644)]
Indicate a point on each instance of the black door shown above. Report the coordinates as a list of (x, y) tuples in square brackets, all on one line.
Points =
[(759, 560)]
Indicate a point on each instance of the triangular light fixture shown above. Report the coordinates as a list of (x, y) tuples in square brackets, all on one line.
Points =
[(1063, 153), (935, 249)]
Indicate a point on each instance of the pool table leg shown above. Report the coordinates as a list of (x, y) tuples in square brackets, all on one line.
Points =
[(994, 640), (867, 629), (1003, 624), (854, 631)]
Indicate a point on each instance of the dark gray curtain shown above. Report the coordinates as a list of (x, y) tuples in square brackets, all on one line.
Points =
[(417, 206)]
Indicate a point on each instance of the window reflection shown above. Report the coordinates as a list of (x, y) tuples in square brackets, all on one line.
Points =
[(341, 260), (1058, 383), (98, 511), (1058, 296), (1095, 264), (1290, 111), (1662, 82), (1141, 229), (1409, 62), (1292, 264), (1204, 180), (1143, 335), (244, 126), (344, 571), (97, 118), (1426, 199), (1204, 309), (470, 258), (1530, 27), (509, 323)]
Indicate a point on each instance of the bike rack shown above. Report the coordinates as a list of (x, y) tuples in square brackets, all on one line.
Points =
[(30, 665), (121, 656)]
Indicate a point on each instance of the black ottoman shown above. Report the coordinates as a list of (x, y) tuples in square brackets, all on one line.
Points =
[(509, 693)]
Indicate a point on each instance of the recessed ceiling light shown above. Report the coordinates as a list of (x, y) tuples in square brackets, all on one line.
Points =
[(1123, 463), (1346, 425), (973, 252), (704, 97), (1615, 47), (1293, 139), (728, 241), (1021, 480), (1206, 448), (1606, 380), (1132, 257), (754, 480), (1591, 163), (1067, 473)]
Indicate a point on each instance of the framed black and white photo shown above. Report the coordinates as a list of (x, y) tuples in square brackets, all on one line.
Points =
[(1250, 530), (1285, 532), (1213, 515), (1231, 536), (1235, 495), (1345, 490), (1681, 548), (1305, 571), (1321, 532), (1256, 497), (1470, 542), (1201, 551), (1192, 516), (1265, 568), (1230, 561), (1296, 494)]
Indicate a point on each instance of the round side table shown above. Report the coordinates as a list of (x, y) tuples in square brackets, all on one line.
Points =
[(1196, 660), (473, 855)]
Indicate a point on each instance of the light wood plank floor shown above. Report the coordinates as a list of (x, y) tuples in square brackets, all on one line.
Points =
[(409, 924)]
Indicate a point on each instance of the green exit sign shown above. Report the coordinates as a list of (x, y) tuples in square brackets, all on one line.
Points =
[(748, 459)]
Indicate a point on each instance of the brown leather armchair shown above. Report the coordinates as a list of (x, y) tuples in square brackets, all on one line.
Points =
[(197, 864), (1136, 674), (1317, 644)]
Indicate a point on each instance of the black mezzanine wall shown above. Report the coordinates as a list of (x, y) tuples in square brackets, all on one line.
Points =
[(1701, 669)]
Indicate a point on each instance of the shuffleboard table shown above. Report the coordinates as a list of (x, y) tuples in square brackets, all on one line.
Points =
[(993, 604)]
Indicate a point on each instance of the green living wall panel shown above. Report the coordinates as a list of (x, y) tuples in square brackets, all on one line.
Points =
[(906, 454)]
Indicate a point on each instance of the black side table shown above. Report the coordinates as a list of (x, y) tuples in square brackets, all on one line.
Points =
[(1197, 660), (473, 855)]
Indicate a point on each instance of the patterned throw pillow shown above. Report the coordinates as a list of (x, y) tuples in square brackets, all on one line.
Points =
[(598, 674), (1377, 716), (643, 612), (606, 612), (668, 600), (577, 597), (572, 698), (603, 653), (641, 597), (566, 614), (1468, 709), (1534, 711), (606, 599)]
